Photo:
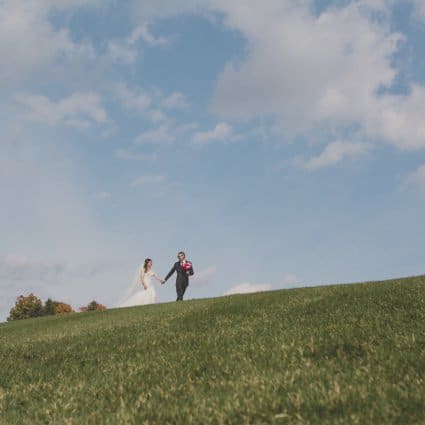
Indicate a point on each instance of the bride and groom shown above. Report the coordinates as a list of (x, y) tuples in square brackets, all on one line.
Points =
[(182, 267)]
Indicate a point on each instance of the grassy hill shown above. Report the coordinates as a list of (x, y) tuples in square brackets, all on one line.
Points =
[(345, 354)]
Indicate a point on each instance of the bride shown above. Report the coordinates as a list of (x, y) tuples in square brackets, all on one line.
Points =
[(144, 278)]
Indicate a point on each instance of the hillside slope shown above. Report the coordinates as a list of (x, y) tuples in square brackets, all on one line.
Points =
[(337, 354)]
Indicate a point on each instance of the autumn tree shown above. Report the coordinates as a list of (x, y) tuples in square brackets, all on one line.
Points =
[(26, 307), (52, 308), (63, 308), (93, 306)]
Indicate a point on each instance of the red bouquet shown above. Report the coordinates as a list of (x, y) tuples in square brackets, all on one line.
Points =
[(187, 267)]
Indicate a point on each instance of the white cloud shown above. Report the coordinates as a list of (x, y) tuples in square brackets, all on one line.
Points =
[(313, 72), (334, 153), (203, 277), (157, 116), (78, 110), (130, 155), (152, 9), (319, 72), (127, 49), (418, 9), (245, 288), (417, 179), (175, 100), (221, 131), (120, 51), (141, 32), (156, 136), (134, 100), (66, 4), (30, 45), (110, 129), (399, 119), (149, 105), (149, 180)]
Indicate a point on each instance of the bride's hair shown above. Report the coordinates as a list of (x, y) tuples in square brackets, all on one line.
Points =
[(145, 266)]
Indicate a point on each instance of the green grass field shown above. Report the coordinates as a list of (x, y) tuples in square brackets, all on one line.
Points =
[(344, 354)]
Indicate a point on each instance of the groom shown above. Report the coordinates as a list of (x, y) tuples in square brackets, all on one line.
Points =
[(183, 273)]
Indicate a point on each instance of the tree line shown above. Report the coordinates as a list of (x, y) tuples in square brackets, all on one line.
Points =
[(27, 307)]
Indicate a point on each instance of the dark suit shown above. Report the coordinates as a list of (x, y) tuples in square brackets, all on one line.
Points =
[(182, 279)]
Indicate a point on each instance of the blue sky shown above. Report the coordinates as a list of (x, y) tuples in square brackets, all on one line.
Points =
[(279, 144)]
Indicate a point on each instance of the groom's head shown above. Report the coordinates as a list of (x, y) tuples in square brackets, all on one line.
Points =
[(181, 256)]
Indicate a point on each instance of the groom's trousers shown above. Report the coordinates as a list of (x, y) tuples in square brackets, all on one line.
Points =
[(181, 285)]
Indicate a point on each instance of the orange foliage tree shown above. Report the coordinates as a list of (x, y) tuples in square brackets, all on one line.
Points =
[(26, 307), (63, 308), (93, 306)]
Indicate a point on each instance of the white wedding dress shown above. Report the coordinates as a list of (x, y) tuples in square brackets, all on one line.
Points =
[(142, 296)]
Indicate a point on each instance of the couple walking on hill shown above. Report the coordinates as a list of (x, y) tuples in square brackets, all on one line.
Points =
[(182, 267)]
